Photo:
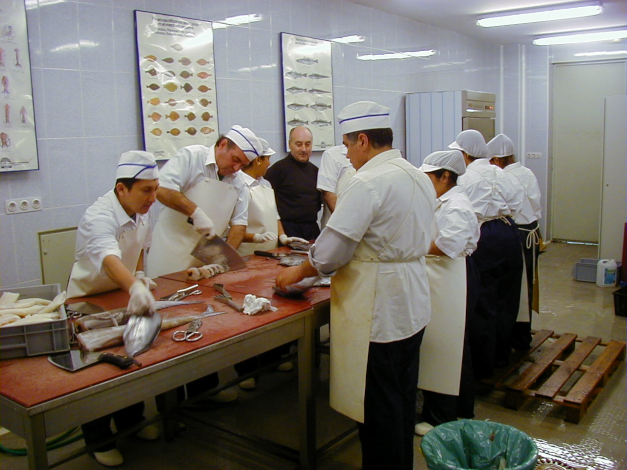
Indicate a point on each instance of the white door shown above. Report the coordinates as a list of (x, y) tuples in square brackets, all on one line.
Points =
[(578, 106)]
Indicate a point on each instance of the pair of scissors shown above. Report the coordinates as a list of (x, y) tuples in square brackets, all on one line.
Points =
[(191, 334)]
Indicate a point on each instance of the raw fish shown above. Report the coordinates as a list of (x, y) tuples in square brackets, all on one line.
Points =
[(206, 116), (190, 116), (140, 332), (153, 86), (156, 132), (185, 61), (185, 74), (203, 88), (187, 87), (175, 131), (202, 62), (173, 116), (203, 75), (191, 130), (204, 102), (154, 101), (171, 86), (155, 116)]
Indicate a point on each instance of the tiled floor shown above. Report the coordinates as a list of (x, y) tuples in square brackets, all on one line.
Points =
[(598, 442)]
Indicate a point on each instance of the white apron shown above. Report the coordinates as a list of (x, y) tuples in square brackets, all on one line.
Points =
[(262, 217), (174, 238), (86, 280), (442, 346), (523, 306), (352, 310), (341, 185)]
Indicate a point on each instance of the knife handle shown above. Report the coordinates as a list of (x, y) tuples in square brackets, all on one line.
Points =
[(123, 362)]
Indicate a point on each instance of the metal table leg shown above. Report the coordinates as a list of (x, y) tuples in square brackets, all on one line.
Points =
[(36, 443)]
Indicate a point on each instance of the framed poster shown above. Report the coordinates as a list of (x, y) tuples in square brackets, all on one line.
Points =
[(177, 82), (18, 140), (308, 88)]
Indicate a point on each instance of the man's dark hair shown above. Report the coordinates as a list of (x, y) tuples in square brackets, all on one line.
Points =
[(440, 172), (229, 143), (377, 137), (127, 182)]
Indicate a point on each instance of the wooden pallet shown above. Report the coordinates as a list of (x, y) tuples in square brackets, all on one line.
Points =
[(561, 368)]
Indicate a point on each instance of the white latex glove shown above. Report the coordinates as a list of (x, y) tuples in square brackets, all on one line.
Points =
[(264, 237), (141, 302), (202, 223), (210, 270), (139, 275), (284, 239)]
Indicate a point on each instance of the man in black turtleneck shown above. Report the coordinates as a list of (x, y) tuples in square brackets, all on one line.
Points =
[(294, 182)]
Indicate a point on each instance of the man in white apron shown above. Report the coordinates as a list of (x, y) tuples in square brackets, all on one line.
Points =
[(202, 185), (335, 170), (502, 150), (374, 244), (109, 255), (453, 283), (498, 256)]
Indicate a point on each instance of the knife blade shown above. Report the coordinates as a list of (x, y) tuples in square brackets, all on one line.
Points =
[(76, 359), (215, 251), (268, 254)]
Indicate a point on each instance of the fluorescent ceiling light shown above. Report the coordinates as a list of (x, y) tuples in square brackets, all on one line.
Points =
[(237, 20), (537, 15), (396, 55), (594, 54), (581, 37), (348, 39)]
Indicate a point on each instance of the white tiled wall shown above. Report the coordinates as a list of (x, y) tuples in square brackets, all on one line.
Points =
[(87, 105)]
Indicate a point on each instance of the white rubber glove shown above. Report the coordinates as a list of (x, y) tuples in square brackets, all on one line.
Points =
[(284, 239), (264, 237), (202, 223), (139, 275), (141, 302)]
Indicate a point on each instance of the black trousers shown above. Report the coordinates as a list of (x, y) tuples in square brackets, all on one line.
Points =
[(440, 408), (387, 433), (521, 337), (100, 428), (306, 230), (499, 260)]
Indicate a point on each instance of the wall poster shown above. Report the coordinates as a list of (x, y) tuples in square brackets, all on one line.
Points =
[(177, 82), (308, 88), (18, 140)]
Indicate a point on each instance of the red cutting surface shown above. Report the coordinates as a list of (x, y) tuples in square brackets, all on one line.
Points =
[(31, 381)]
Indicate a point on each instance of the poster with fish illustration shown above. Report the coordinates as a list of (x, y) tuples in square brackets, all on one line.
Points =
[(177, 82), (18, 140), (308, 88)]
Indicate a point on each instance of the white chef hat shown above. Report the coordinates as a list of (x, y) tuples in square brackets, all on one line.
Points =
[(451, 160), (267, 150), (137, 164), (364, 115), (501, 146), (471, 142), (247, 141)]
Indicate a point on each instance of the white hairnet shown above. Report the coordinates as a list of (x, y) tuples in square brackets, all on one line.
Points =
[(451, 160), (501, 146), (471, 142)]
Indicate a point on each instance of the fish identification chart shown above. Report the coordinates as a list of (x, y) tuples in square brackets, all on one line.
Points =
[(18, 140), (177, 82), (308, 88)]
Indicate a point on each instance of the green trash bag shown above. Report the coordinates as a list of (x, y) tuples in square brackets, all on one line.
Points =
[(478, 445)]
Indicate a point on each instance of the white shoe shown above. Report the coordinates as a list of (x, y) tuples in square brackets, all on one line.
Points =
[(109, 458), (285, 367), (149, 433), (225, 396), (422, 428), (248, 384)]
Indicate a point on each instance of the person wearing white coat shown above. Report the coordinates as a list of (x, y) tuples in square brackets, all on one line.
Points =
[(110, 241), (503, 155), (375, 245), (498, 255), (333, 175), (452, 274)]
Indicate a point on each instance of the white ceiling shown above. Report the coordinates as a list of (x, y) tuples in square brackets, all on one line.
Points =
[(461, 16)]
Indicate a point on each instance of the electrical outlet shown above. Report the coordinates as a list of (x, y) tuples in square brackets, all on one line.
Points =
[(534, 155), (23, 204)]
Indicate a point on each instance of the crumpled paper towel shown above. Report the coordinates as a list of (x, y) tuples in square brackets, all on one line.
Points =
[(253, 305)]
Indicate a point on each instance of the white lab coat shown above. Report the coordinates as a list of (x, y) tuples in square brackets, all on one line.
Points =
[(532, 208)]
